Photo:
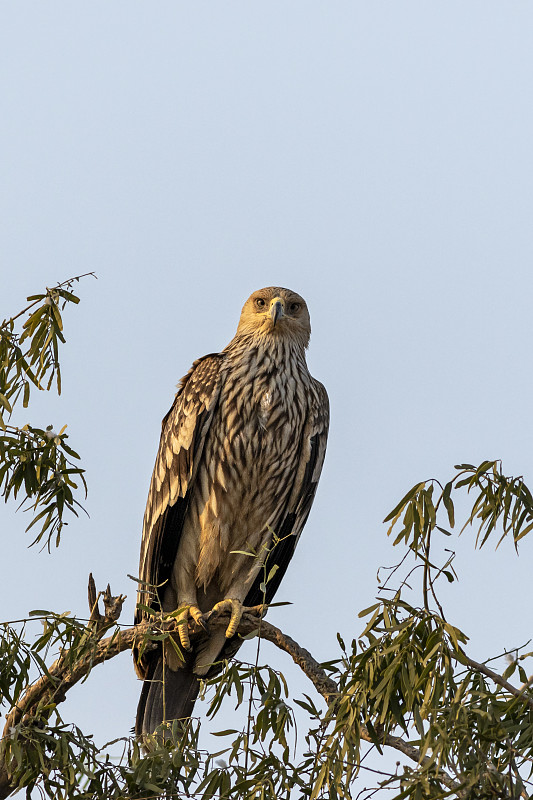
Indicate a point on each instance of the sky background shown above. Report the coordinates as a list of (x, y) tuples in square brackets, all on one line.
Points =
[(376, 157)]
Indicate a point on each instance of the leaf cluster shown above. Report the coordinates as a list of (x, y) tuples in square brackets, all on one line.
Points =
[(30, 358), (64, 763), (21, 660), (498, 500), (39, 465), (36, 461), (408, 673)]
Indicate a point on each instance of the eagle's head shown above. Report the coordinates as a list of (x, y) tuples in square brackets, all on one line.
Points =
[(276, 312)]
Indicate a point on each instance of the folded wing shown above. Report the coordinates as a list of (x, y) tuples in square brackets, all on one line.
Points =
[(184, 430)]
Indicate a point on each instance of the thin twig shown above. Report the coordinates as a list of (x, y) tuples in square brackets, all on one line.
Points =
[(57, 286), (518, 693)]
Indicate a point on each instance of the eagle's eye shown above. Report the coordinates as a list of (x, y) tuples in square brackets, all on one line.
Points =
[(259, 302), (294, 307)]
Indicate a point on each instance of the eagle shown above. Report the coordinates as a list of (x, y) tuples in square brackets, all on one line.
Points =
[(239, 459)]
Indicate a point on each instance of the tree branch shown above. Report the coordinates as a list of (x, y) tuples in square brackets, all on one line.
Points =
[(67, 670), (329, 690), (519, 693)]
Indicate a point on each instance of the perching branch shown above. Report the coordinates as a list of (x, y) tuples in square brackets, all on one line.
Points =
[(74, 664), (69, 669)]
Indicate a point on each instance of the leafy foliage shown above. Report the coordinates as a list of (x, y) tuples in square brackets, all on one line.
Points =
[(39, 462), (405, 684), (35, 460), (499, 499)]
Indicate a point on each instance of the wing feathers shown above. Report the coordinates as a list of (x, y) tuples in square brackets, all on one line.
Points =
[(182, 439)]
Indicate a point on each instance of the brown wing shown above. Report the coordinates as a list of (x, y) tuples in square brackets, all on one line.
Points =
[(294, 517), (183, 435)]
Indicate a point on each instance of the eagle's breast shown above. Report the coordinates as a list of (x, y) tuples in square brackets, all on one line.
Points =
[(249, 462)]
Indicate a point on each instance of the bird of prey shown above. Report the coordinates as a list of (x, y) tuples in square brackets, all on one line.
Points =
[(237, 468)]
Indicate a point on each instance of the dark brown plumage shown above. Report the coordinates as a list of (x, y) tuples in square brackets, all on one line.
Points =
[(240, 456)]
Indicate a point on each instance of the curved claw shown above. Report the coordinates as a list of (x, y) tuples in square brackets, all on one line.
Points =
[(236, 608), (199, 618), (188, 612), (202, 622)]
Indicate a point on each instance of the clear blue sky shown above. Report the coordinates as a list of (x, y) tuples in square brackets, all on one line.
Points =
[(377, 158)]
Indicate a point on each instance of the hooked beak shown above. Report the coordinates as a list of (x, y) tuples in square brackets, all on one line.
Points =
[(277, 309)]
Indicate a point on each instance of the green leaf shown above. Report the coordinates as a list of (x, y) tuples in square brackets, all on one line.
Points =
[(170, 640), (368, 610), (509, 670), (371, 622), (418, 720), (147, 609), (225, 733), (448, 503), (69, 296), (374, 736), (5, 403), (410, 494), (57, 316)]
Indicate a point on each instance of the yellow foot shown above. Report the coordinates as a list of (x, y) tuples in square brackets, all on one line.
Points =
[(236, 608), (186, 613)]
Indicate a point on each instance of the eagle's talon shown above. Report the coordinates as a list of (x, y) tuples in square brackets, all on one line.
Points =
[(236, 608), (188, 612), (258, 611), (197, 615), (203, 623)]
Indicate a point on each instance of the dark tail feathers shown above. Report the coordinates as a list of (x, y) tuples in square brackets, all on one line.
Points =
[(172, 700)]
